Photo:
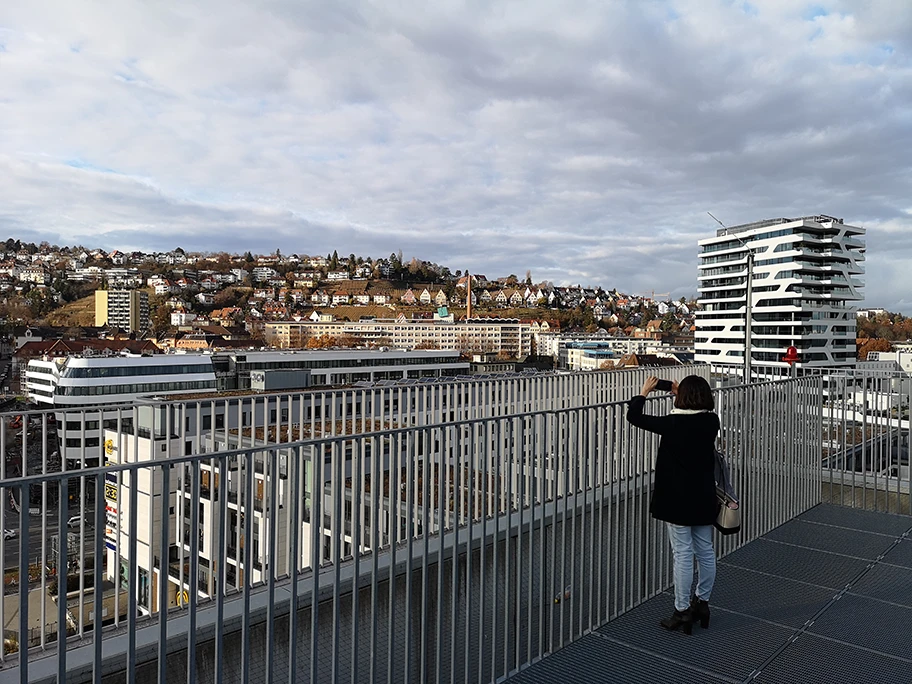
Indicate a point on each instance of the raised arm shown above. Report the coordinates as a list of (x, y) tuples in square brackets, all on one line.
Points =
[(635, 415)]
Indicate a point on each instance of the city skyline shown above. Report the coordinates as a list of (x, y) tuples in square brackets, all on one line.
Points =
[(586, 142)]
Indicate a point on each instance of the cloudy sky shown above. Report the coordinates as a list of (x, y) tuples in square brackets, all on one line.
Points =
[(583, 141)]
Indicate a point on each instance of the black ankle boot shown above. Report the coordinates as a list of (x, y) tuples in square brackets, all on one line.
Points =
[(680, 619), (699, 610)]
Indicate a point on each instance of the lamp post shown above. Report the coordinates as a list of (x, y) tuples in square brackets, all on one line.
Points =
[(748, 312), (748, 303)]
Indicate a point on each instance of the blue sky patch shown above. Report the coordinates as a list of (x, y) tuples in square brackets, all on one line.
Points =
[(83, 165), (815, 11)]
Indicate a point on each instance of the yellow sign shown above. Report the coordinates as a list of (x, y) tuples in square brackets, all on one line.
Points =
[(183, 597), (109, 446), (110, 491)]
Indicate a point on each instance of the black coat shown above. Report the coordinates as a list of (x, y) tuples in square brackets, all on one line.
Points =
[(685, 486)]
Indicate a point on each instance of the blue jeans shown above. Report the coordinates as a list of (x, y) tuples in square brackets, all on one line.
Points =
[(687, 542)]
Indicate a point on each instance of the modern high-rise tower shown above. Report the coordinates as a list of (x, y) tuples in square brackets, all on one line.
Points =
[(126, 309), (804, 292)]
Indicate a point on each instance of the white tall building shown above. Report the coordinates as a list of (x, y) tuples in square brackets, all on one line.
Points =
[(804, 292)]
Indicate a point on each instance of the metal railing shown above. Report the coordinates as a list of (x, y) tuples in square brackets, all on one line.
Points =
[(457, 550)]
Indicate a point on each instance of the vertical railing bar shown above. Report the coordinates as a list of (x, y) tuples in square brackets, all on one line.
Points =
[(575, 538), (529, 423), (556, 460), (221, 583), (442, 484), (195, 564), (337, 492), (471, 490), (410, 508), (239, 493), (24, 502), (395, 489), (566, 427), (542, 469), (249, 511), (117, 531), (458, 510), (357, 486), (82, 516), (426, 476), (44, 532), (602, 454), (506, 479), (297, 493), (484, 473), (63, 552), (164, 539), (273, 520), (133, 579), (613, 449), (496, 493), (592, 485), (517, 451), (376, 508), (317, 492)]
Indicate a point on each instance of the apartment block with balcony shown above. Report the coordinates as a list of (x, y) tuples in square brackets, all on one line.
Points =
[(126, 309), (805, 290), (511, 336)]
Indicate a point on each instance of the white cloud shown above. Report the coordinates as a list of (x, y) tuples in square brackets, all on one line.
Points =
[(581, 140)]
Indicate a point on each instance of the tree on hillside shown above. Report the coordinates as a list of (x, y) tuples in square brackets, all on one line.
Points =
[(161, 320)]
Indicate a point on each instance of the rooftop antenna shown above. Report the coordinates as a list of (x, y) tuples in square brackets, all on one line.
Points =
[(748, 304)]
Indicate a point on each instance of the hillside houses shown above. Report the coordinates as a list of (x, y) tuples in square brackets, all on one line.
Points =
[(230, 289)]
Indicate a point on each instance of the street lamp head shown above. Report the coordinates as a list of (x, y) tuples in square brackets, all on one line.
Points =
[(791, 355)]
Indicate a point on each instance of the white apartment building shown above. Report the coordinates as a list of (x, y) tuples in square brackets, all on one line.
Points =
[(475, 335), (804, 292)]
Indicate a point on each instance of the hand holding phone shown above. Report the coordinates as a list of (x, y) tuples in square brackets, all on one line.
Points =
[(664, 386)]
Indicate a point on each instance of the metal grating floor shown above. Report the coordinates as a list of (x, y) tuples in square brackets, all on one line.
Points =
[(826, 597)]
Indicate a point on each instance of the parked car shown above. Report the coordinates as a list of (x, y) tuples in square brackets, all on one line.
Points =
[(10, 534)]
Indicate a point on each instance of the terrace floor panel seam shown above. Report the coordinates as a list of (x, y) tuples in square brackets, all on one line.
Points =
[(849, 529), (775, 576), (832, 553), (849, 644), (667, 659)]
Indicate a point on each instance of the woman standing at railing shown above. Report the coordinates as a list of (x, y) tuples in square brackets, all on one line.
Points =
[(684, 495)]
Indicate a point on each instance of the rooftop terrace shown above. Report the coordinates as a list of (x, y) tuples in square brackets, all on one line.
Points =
[(518, 547), (826, 597)]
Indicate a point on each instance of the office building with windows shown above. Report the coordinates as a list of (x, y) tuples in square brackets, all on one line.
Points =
[(805, 290), (119, 379)]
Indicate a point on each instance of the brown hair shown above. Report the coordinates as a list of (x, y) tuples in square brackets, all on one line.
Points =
[(694, 393)]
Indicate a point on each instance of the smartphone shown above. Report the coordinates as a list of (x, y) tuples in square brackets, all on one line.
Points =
[(664, 386)]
